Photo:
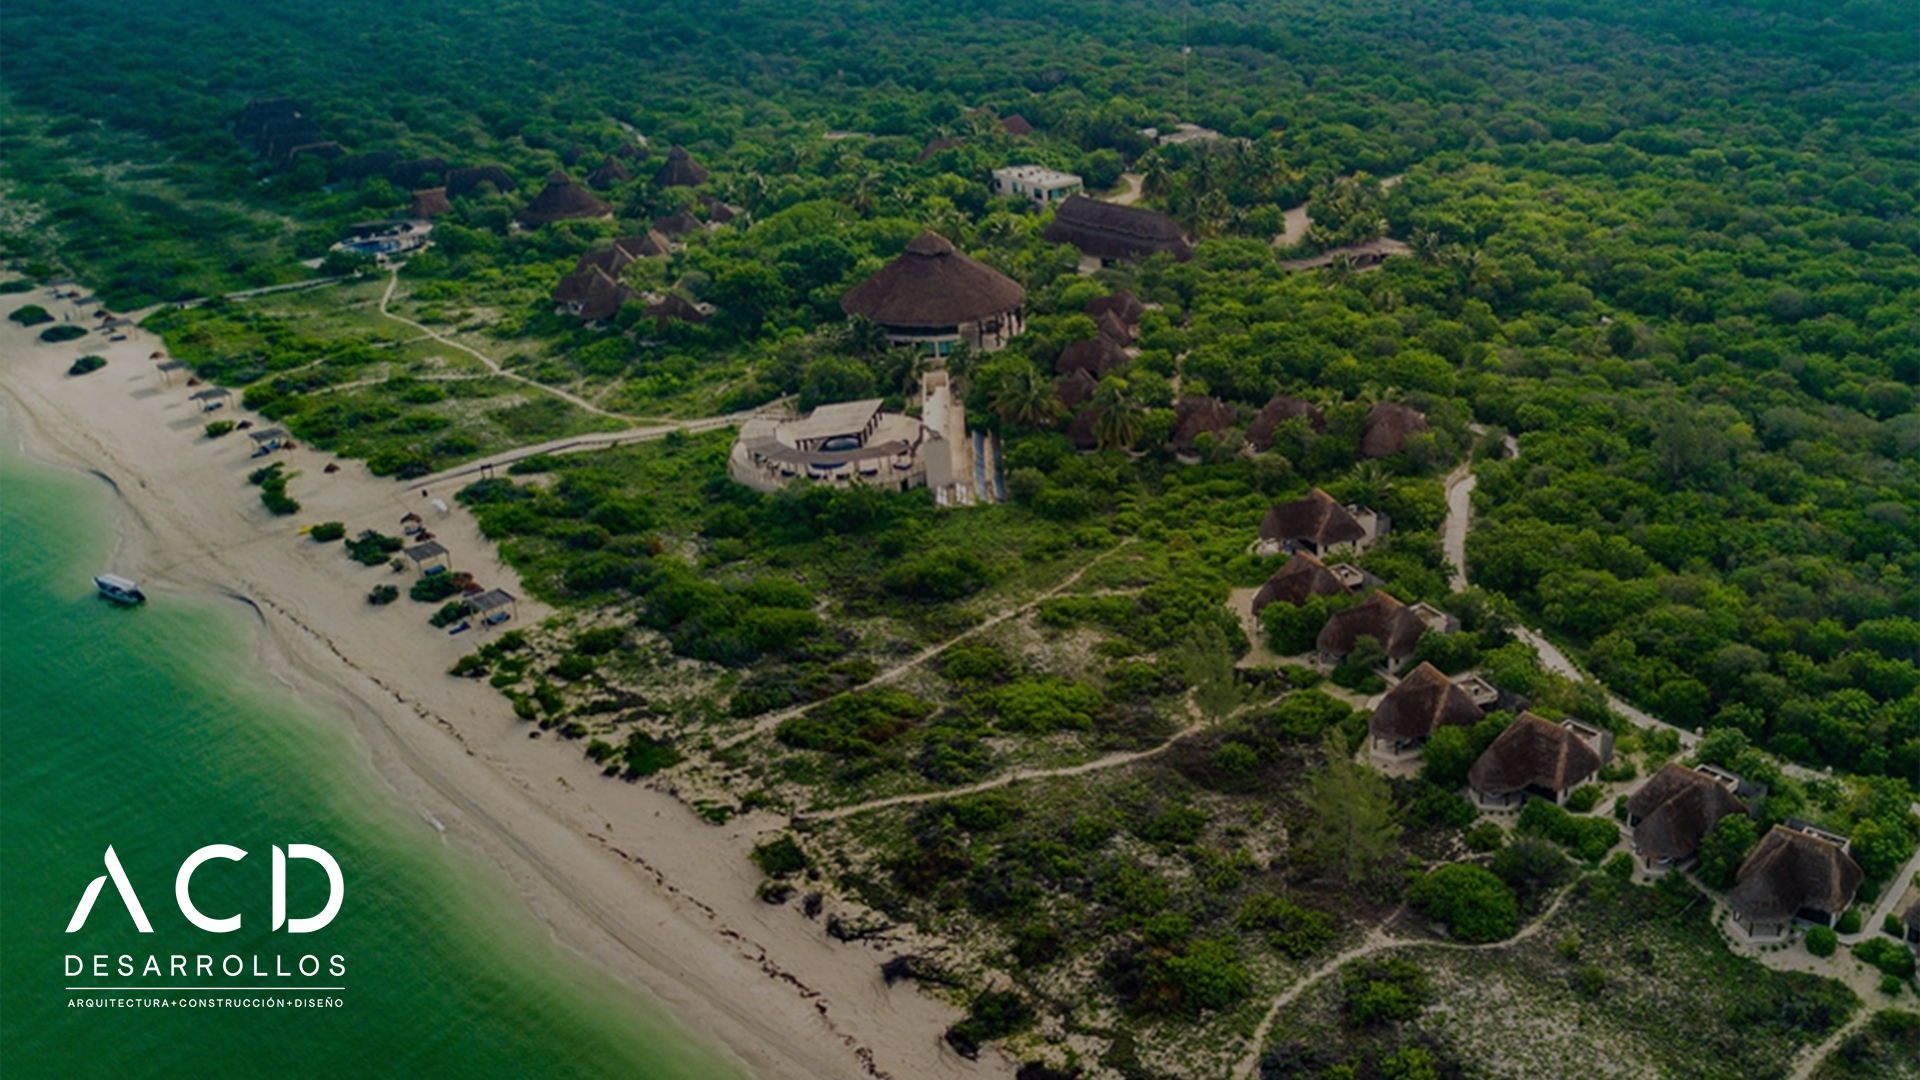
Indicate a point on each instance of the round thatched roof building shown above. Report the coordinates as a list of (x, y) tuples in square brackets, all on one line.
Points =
[(562, 200), (935, 295)]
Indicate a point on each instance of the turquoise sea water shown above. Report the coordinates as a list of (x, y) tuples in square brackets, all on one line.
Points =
[(150, 730)]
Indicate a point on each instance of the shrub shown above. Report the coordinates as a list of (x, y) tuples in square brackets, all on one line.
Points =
[(854, 725), (1208, 975), (1589, 839), (1849, 922), (573, 667), (1486, 837), (217, 428), (1374, 991), (1619, 867), (433, 587), (1891, 926), (1292, 930), (646, 755), (30, 314), (780, 857), (1583, 799), (327, 531), (451, 612), (383, 594), (1724, 848), (1475, 904), (1531, 866), (86, 364), (1822, 941), (1890, 985), (372, 548), (63, 332), (470, 666), (1044, 706), (995, 1014), (1890, 957)]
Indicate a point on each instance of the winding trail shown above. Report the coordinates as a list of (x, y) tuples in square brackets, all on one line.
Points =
[(393, 282), (772, 720), (1111, 761), (1377, 940)]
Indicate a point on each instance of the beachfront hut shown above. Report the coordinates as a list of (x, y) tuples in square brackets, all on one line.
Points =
[(267, 440), (1388, 426), (935, 297), (1421, 704), (1301, 578), (428, 555), (1114, 233), (167, 368), (1796, 871), (679, 170), (1537, 757), (494, 606), (563, 200)]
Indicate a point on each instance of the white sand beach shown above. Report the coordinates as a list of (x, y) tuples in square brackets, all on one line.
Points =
[(625, 875)]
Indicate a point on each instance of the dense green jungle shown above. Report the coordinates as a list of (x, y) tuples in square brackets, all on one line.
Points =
[(1659, 299)]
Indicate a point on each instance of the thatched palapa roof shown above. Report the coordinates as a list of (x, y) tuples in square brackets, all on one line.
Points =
[(610, 259), (430, 203), (1076, 389), (1123, 305), (1110, 231), (1303, 576), (1016, 125), (1420, 705), (609, 173), (935, 147), (674, 307), (1316, 519), (649, 244), (1113, 329), (1675, 808), (680, 170), (1388, 426), (1532, 753), (933, 286), (1278, 410), (1096, 356), (1394, 625), (721, 213), (563, 200), (1789, 870), (1193, 416), (679, 224)]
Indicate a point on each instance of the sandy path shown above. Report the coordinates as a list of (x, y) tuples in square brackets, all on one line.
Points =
[(772, 720), (1129, 192), (626, 876), (1453, 536)]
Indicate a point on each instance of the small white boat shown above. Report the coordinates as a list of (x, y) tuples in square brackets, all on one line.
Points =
[(119, 589)]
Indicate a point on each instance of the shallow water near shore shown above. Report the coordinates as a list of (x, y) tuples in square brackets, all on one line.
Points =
[(155, 731)]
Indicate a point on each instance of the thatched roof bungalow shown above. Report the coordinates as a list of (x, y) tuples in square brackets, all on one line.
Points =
[(1302, 578), (1114, 233), (675, 308), (1674, 810), (1388, 426), (1076, 389), (462, 182), (1196, 416), (1313, 524), (1380, 616), (429, 203), (563, 200), (1123, 305), (1535, 757), (934, 297), (1795, 872), (610, 174), (1278, 410), (1016, 125), (1419, 705), (677, 224), (1096, 356), (680, 170)]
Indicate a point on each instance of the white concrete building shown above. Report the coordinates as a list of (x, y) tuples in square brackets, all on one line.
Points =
[(1036, 183)]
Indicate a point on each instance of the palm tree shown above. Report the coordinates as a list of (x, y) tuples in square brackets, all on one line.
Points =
[(1116, 414), (863, 337), (1026, 398), (1157, 181)]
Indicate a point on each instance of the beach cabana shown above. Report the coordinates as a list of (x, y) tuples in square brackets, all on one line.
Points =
[(494, 606), (429, 555), (211, 398), (268, 440), (167, 368)]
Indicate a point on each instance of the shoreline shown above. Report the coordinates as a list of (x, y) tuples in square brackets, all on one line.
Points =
[(623, 875)]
